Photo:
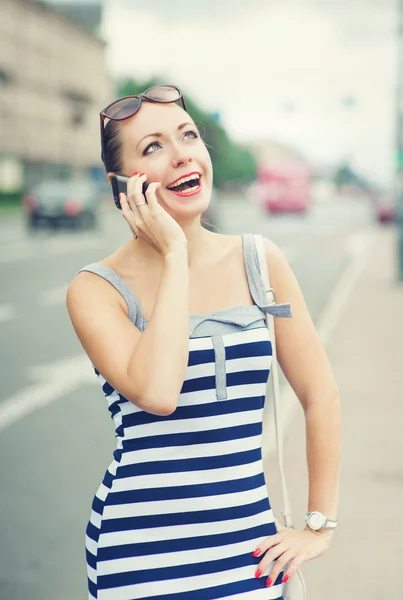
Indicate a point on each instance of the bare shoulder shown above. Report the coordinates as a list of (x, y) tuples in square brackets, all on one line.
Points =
[(273, 251), (282, 277), (89, 292), (275, 255)]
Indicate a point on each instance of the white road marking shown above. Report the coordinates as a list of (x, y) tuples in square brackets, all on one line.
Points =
[(359, 247), (8, 236), (7, 312), (15, 252), (56, 380), (54, 296), (41, 248)]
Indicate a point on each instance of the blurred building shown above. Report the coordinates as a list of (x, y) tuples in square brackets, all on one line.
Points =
[(88, 14), (268, 152), (53, 82)]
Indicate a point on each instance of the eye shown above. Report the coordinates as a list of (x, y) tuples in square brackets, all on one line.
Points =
[(146, 150), (158, 145), (194, 134)]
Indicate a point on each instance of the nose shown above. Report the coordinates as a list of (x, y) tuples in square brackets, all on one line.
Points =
[(181, 157)]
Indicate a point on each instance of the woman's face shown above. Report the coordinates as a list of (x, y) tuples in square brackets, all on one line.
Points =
[(175, 152)]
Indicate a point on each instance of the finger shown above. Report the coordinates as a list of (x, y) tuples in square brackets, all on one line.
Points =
[(279, 565), (270, 556), (130, 183), (138, 188), (151, 194), (292, 568), (132, 193), (127, 212), (267, 543)]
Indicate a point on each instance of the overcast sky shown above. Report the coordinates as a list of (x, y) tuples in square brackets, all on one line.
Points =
[(273, 68)]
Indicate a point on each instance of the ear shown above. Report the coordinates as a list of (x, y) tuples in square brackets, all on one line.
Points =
[(110, 176)]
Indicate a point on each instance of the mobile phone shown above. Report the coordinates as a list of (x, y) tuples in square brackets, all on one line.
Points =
[(119, 186)]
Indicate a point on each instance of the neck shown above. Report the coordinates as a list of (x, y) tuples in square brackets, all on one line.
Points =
[(199, 242)]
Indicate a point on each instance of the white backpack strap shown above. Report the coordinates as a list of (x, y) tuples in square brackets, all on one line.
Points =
[(287, 512)]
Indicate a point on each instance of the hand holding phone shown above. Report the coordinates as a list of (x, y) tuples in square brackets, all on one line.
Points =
[(119, 185), (147, 220)]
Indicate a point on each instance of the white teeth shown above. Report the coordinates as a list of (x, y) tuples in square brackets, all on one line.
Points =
[(190, 178)]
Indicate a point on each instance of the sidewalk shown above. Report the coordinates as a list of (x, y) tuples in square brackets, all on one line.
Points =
[(365, 349)]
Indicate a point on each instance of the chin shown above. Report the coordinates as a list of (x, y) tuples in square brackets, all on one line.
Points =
[(186, 208)]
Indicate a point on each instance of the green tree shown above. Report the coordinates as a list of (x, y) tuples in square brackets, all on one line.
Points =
[(232, 163)]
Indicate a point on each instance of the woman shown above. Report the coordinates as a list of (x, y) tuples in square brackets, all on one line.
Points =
[(173, 322)]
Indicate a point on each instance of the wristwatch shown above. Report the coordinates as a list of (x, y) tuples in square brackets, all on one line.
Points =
[(317, 520)]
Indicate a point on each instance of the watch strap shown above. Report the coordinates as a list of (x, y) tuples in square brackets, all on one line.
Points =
[(330, 524)]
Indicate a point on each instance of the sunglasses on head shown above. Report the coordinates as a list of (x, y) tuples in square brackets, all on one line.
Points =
[(126, 107)]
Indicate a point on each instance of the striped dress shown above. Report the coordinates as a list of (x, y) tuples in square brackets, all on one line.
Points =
[(183, 504)]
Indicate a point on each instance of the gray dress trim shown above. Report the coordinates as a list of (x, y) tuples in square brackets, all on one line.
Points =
[(213, 324), (133, 303), (256, 284)]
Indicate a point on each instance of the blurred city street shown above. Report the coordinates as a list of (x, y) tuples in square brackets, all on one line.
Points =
[(65, 446), (303, 123)]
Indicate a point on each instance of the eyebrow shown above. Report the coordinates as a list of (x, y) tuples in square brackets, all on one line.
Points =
[(158, 134)]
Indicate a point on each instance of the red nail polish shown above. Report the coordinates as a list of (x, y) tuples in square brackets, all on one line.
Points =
[(256, 552), (258, 573), (285, 578), (141, 174), (133, 174), (268, 582)]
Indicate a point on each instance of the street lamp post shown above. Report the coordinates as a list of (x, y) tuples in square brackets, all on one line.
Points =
[(399, 141)]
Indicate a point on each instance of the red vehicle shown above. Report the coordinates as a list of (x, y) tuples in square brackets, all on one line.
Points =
[(285, 188)]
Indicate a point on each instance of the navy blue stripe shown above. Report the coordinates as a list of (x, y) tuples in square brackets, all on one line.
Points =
[(117, 454), (97, 505), (186, 491), (190, 464), (115, 406), (194, 437), (108, 389), (247, 377), (208, 409), (221, 591), (184, 544), (198, 384), (92, 588), (92, 531), (261, 348), (91, 559), (108, 479), (120, 430), (200, 357), (178, 571), (185, 518), (218, 591)]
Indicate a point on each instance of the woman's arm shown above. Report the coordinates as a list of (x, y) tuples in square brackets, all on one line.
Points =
[(306, 367), (146, 368)]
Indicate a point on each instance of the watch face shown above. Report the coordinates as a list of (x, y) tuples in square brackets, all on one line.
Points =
[(316, 520)]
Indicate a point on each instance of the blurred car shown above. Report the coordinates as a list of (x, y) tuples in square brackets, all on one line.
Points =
[(58, 203), (285, 188), (385, 209)]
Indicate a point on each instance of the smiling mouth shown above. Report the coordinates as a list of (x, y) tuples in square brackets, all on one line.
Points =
[(189, 185)]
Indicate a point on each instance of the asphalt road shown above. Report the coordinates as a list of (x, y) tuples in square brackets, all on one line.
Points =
[(53, 458)]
